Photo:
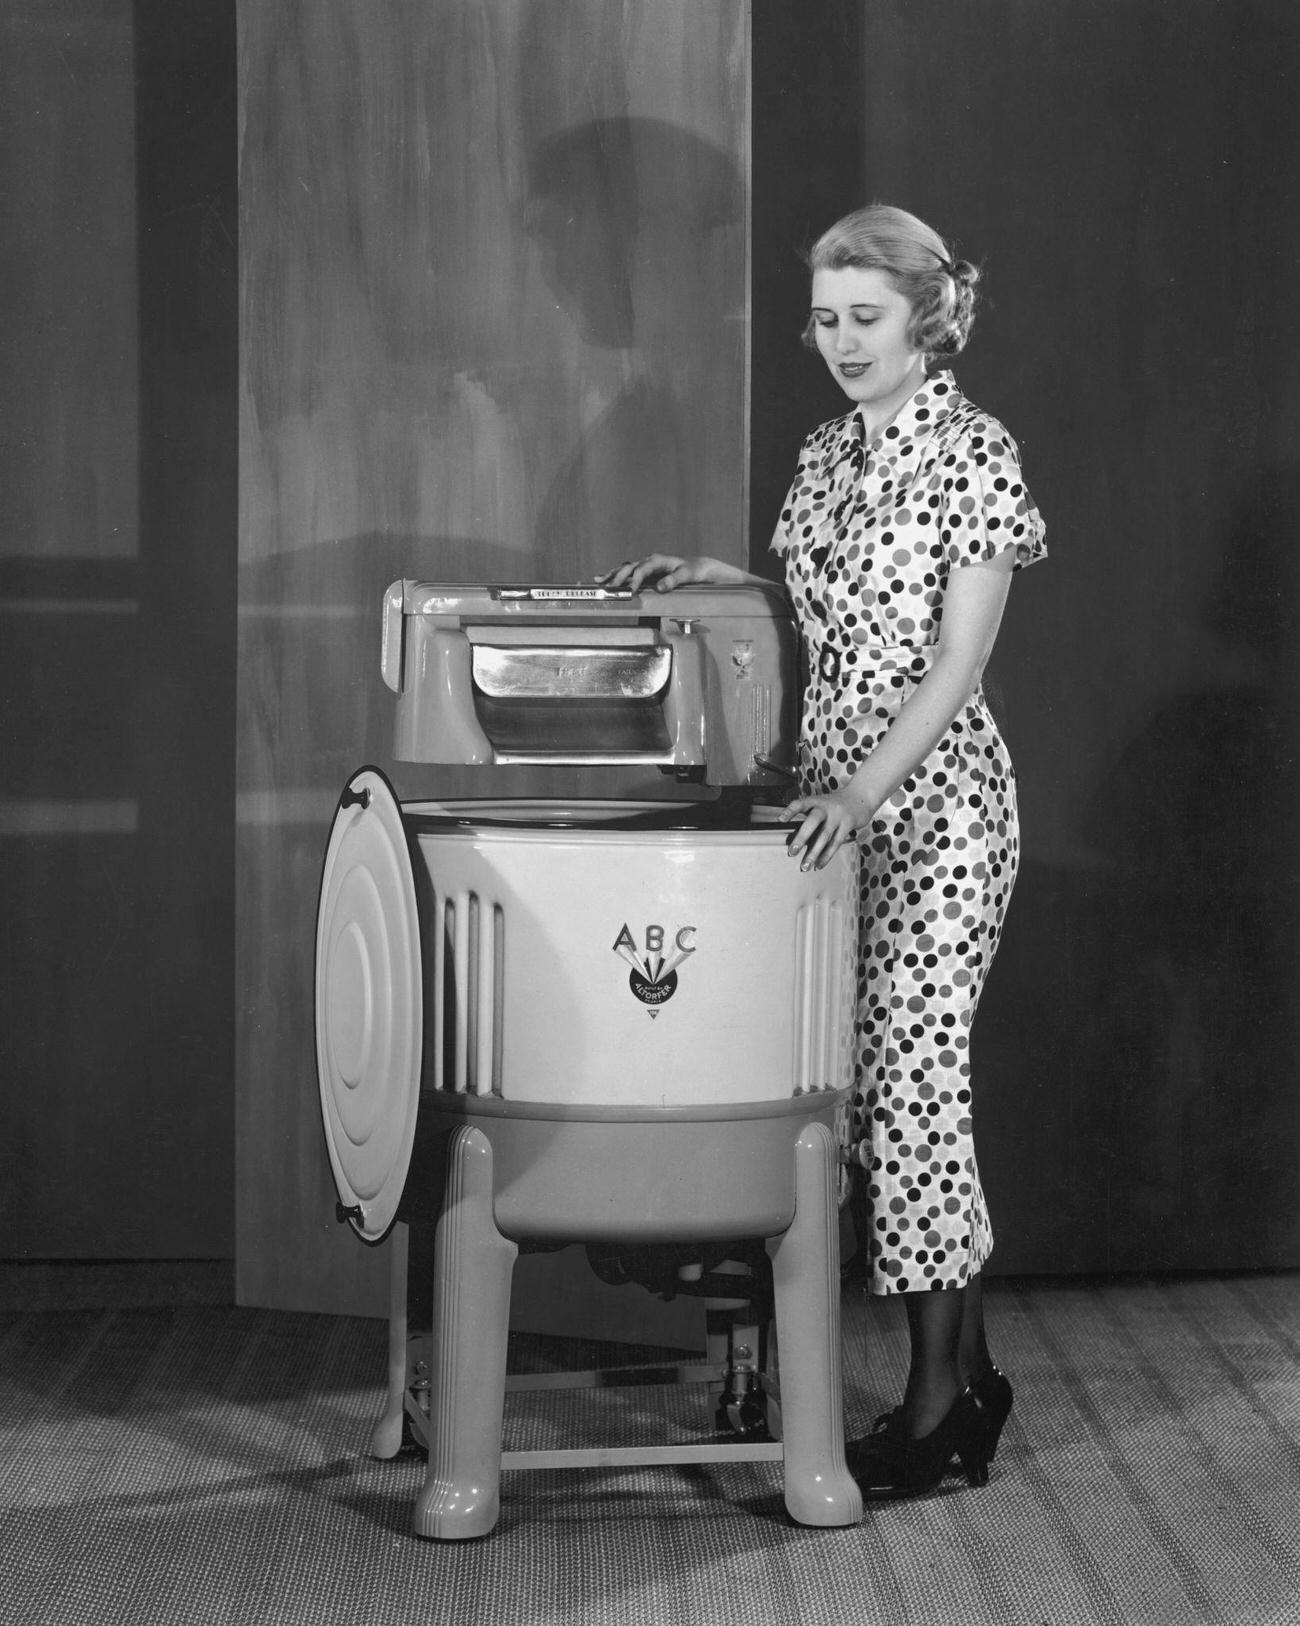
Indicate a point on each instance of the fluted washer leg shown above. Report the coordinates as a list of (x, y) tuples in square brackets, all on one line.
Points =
[(819, 1490), (386, 1440), (472, 1268)]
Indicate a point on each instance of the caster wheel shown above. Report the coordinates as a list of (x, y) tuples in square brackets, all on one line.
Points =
[(744, 1419)]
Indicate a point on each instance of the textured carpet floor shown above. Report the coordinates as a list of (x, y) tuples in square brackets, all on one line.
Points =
[(196, 1464)]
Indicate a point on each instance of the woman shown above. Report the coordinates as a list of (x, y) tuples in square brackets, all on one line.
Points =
[(903, 524)]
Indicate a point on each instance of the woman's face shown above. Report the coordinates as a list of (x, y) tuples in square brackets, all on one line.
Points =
[(860, 322)]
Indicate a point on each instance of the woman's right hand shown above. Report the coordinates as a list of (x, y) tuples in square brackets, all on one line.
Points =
[(664, 571)]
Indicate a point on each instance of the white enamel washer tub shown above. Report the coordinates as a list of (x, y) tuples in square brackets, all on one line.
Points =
[(604, 961)]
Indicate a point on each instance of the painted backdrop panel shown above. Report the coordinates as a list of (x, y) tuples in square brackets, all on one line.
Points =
[(493, 326)]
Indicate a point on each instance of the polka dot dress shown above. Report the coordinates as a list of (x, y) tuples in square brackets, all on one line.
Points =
[(870, 534)]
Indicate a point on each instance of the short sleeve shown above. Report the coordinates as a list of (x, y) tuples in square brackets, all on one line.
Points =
[(987, 508), (806, 492), (783, 535)]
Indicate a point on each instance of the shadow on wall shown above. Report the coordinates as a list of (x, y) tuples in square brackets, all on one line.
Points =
[(566, 385), (629, 217), (1174, 1000)]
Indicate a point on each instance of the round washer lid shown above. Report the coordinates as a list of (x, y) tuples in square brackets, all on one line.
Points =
[(369, 1003)]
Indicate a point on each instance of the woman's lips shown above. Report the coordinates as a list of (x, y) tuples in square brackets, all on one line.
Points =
[(854, 369)]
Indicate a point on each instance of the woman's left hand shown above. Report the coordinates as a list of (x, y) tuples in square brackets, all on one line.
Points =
[(827, 822)]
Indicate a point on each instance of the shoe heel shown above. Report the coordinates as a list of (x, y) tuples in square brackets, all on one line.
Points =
[(994, 1396), (971, 1443)]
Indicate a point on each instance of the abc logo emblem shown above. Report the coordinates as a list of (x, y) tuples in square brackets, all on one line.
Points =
[(654, 963)]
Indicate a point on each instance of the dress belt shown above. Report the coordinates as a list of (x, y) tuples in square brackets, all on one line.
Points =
[(830, 660)]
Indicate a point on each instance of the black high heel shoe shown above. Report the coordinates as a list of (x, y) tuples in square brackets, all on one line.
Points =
[(890, 1460), (993, 1395)]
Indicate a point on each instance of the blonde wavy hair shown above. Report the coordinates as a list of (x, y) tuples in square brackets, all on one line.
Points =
[(939, 287)]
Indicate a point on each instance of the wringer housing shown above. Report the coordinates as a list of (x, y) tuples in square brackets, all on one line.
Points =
[(622, 1021), (695, 683)]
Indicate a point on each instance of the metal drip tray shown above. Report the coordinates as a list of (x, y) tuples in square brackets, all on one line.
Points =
[(571, 672)]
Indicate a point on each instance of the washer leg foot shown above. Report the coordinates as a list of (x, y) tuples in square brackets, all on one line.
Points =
[(472, 1268), (819, 1490)]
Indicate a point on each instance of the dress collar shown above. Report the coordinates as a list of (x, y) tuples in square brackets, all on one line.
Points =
[(918, 415)]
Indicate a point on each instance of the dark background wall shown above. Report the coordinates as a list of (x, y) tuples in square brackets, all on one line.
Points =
[(117, 576), (808, 159), (1126, 172)]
